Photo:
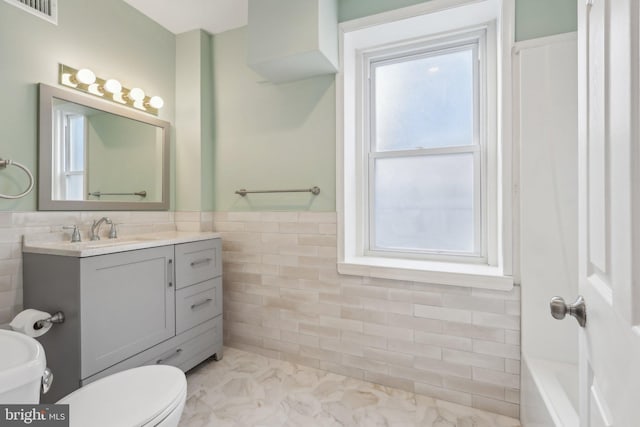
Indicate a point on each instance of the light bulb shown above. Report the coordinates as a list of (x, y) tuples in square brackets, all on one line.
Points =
[(156, 102), (86, 76), (112, 86), (136, 94)]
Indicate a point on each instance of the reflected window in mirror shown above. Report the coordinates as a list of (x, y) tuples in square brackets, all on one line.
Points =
[(69, 172)]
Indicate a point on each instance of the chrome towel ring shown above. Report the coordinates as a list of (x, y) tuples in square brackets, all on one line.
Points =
[(3, 165)]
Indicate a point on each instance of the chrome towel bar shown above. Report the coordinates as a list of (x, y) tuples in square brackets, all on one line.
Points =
[(142, 193), (313, 190)]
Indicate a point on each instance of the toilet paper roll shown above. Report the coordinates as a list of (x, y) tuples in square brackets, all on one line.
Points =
[(25, 322)]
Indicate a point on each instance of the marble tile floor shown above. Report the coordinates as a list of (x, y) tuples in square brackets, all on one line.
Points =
[(247, 389)]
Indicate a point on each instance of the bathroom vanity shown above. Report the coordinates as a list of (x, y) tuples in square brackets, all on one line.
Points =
[(154, 299)]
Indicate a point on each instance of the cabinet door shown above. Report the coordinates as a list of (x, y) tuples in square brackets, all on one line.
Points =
[(128, 305)]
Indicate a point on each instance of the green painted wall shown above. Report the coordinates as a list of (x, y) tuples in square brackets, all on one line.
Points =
[(270, 136), (188, 122), (539, 18), (110, 37), (136, 149), (207, 131), (195, 129), (534, 18), (353, 9)]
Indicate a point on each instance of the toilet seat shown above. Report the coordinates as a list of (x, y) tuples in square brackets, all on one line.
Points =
[(141, 396)]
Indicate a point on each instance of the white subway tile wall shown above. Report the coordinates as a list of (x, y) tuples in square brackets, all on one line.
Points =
[(283, 298)]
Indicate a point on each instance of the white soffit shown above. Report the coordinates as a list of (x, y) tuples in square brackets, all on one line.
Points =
[(179, 16)]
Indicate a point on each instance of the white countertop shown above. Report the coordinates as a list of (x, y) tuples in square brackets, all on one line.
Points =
[(109, 246)]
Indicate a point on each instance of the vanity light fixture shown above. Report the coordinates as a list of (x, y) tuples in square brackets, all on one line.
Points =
[(86, 81), (136, 94), (112, 86), (85, 76), (156, 102)]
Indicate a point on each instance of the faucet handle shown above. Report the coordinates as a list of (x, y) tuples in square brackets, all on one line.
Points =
[(113, 232), (75, 235)]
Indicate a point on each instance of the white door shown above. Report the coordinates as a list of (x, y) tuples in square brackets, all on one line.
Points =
[(609, 168)]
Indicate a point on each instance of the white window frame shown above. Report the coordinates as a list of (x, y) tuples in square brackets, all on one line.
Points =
[(367, 39)]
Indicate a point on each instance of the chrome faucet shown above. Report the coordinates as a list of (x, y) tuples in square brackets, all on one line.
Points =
[(94, 231)]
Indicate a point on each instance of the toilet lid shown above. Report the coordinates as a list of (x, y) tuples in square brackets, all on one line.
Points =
[(130, 398)]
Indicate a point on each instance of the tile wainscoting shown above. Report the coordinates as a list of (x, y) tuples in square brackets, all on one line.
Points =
[(283, 298)]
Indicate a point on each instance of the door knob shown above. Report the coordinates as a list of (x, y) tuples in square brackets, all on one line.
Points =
[(578, 309)]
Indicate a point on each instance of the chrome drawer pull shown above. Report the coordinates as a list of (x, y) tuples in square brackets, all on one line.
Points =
[(178, 351), (203, 302), (201, 261)]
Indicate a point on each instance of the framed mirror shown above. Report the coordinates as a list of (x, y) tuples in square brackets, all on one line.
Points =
[(95, 155)]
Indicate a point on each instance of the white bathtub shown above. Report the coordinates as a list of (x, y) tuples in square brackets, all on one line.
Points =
[(549, 394)]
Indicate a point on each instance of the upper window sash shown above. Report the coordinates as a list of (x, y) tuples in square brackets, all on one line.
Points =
[(419, 53)]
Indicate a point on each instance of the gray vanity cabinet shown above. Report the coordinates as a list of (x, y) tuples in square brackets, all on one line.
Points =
[(159, 305), (128, 305)]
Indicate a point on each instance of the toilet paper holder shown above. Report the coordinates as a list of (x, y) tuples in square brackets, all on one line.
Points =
[(57, 317)]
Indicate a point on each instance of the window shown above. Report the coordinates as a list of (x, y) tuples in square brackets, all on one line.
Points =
[(419, 147), (425, 151), (69, 171)]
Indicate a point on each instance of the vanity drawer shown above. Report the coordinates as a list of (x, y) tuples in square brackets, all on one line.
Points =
[(201, 347), (184, 350), (198, 303), (197, 262)]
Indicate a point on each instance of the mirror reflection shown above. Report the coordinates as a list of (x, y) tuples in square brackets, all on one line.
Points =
[(96, 155), (102, 156)]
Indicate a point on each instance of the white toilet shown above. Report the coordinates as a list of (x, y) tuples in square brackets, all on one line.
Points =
[(144, 396)]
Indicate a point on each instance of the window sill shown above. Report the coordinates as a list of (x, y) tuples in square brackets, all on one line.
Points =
[(442, 273)]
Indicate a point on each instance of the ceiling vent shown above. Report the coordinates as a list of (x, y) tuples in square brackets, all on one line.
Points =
[(45, 9)]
